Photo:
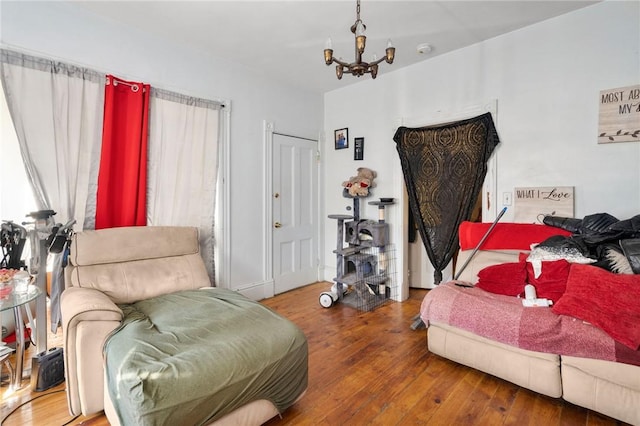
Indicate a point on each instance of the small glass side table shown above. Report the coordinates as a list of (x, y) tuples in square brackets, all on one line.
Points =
[(15, 301)]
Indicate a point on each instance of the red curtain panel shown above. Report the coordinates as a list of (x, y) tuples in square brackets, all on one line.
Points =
[(122, 178)]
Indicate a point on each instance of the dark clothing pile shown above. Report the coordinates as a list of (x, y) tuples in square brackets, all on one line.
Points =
[(598, 236)]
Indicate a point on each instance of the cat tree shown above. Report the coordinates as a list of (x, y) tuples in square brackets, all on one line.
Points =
[(364, 267)]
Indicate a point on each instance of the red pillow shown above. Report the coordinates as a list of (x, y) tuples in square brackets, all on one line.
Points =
[(552, 282), (505, 278), (606, 300), (505, 236)]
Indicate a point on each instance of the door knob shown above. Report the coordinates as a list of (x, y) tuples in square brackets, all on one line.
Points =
[(276, 195), (278, 225)]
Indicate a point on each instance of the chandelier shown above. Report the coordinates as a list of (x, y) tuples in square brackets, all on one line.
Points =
[(359, 67)]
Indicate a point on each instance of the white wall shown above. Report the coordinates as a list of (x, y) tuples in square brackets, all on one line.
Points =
[(63, 31), (546, 79)]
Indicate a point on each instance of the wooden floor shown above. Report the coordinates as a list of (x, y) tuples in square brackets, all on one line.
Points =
[(364, 368)]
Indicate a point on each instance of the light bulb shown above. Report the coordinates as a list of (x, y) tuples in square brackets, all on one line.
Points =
[(389, 43), (359, 29), (328, 44)]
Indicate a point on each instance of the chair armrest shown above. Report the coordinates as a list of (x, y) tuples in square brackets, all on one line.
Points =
[(88, 317), (87, 304)]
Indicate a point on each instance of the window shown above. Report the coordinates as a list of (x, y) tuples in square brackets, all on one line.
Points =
[(16, 196)]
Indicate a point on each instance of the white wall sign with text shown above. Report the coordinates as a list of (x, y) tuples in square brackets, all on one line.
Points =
[(619, 117), (531, 205)]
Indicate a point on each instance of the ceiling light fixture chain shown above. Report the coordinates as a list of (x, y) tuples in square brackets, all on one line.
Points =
[(358, 67)]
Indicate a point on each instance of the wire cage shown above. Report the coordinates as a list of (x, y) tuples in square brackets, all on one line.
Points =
[(370, 276)]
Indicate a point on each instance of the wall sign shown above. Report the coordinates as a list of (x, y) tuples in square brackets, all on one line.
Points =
[(619, 117), (531, 205)]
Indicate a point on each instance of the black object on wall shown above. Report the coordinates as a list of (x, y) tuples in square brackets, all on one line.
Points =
[(444, 167)]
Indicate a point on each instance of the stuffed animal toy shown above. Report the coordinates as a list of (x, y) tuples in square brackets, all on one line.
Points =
[(358, 186)]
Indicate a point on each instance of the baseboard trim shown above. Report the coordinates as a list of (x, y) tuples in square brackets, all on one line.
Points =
[(257, 291)]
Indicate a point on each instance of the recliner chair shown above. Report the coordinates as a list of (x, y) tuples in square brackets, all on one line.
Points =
[(111, 267)]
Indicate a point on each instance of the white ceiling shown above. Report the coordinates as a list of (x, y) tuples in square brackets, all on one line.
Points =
[(285, 39)]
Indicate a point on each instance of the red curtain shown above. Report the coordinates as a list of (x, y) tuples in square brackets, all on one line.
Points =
[(122, 178)]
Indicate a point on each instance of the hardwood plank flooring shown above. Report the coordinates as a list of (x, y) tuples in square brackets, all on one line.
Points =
[(365, 368)]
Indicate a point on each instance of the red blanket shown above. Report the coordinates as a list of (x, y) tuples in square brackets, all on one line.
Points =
[(606, 300), (504, 319)]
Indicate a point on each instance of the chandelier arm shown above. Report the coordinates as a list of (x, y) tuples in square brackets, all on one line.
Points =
[(343, 63), (377, 61)]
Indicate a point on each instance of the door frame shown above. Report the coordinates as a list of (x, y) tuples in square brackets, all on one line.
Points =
[(267, 207)]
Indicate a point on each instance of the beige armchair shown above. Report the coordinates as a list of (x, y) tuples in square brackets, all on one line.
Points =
[(111, 267)]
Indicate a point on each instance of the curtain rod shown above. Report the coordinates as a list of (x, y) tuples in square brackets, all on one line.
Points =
[(134, 86), (43, 56)]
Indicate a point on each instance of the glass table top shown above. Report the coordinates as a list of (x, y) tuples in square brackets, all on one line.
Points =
[(14, 298)]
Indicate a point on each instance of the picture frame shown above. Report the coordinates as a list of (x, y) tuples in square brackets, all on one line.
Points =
[(341, 138), (358, 149)]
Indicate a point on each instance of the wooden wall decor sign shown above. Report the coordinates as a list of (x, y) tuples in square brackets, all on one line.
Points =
[(619, 117), (532, 204)]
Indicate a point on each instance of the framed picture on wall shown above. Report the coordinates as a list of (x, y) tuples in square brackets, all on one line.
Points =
[(341, 137), (358, 148)]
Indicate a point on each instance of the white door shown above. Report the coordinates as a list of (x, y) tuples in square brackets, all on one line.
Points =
[(295, 212)]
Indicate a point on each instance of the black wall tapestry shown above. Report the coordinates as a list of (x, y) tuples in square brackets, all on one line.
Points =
[(444, 167)]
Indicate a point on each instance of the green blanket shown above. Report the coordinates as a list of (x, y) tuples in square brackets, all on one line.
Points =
[(189, 358)]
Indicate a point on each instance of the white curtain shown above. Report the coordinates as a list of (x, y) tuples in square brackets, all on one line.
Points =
[(57, 114), (56, 110), (183, 165)]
